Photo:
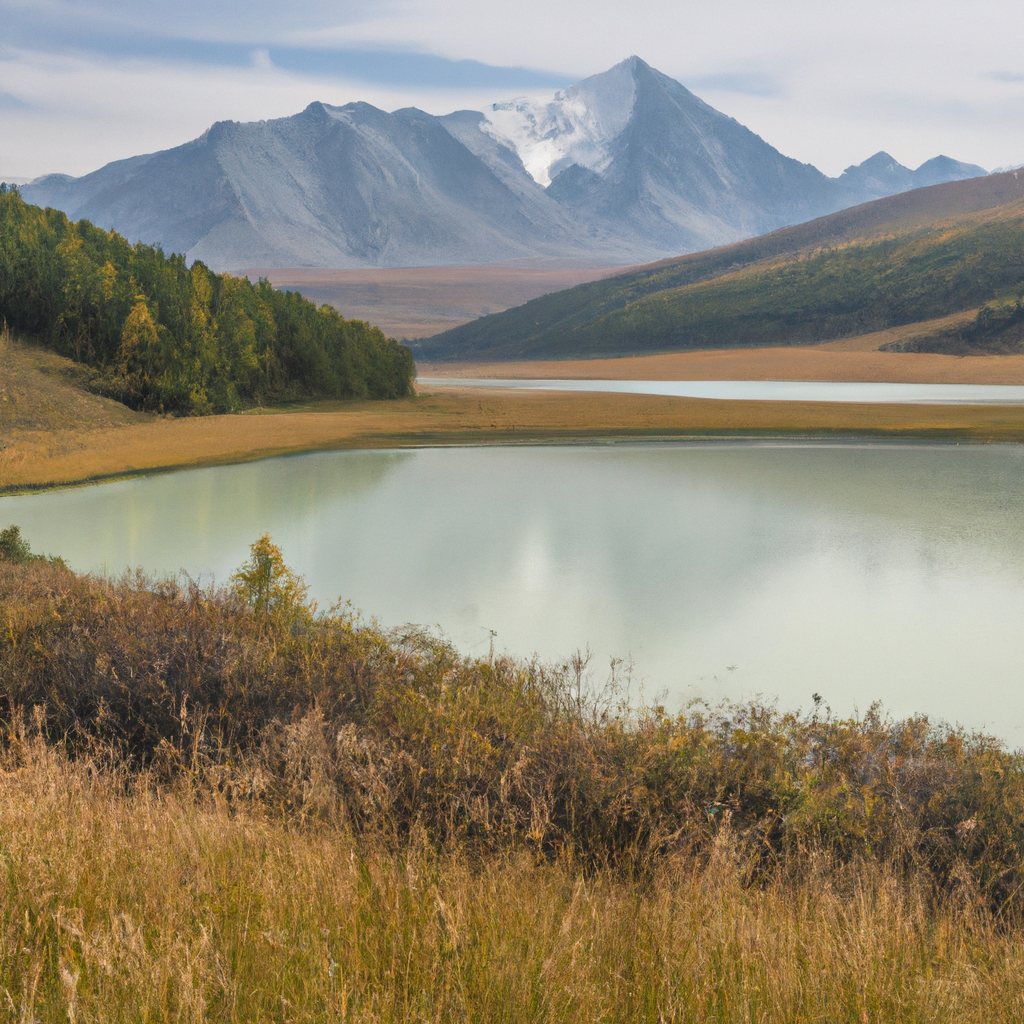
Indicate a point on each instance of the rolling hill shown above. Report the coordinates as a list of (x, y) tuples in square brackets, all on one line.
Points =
[(899, 260)]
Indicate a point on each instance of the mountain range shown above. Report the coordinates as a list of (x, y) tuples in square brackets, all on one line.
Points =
[(625, 167)]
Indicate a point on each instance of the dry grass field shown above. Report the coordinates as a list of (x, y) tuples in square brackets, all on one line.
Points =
[(417, 302), (161, 907), (42, 392), (218, 807), (55, 433), (44, 410)]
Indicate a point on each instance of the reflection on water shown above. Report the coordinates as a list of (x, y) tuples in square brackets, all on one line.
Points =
[(860, 571)]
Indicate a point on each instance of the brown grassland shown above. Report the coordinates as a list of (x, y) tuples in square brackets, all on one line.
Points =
[(417, 302), (221, 808), (165, 905), (54, 433)]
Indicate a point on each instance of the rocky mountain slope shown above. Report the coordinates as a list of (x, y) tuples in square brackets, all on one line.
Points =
[(625, 167)]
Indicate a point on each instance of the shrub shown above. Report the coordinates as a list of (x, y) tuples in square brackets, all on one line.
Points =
[(395, 734), (13, 547)]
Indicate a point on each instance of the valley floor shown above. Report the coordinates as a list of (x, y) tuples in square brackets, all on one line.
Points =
[(417, 302), (53, 433)]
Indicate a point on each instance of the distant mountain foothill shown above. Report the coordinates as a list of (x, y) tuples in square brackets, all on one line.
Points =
[(954, 249), (627, 166)]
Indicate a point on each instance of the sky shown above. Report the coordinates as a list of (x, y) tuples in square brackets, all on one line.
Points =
[(83, 82)]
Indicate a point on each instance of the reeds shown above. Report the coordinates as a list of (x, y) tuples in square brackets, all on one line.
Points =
[(211, 812)]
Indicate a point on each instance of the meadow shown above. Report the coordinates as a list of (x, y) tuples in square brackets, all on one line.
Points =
[(225, 806), (417, 302)]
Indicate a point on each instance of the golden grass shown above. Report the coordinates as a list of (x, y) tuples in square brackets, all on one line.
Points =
[(43, 409), (328, 824), (443, 416), (41, 391), (165, 906), (55, 433)]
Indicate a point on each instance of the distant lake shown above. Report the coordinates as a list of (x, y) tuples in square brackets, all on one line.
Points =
[(860, 571), (764, 390)]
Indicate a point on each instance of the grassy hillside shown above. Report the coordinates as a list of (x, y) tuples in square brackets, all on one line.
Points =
[(900, 260), (218, 805), (45, 405), (43, 393)]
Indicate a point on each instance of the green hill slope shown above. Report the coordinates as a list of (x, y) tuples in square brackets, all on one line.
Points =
[(911, 257)]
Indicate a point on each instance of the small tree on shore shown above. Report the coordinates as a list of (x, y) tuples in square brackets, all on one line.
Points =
[(268, 587), (14, 547)]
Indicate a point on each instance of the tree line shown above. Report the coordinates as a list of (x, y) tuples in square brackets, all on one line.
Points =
[(168, 337)]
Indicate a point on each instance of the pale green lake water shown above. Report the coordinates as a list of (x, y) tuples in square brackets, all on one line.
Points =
[(861, 571)]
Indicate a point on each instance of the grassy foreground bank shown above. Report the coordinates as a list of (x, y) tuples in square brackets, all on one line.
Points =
[(221, 806), (167, 906)]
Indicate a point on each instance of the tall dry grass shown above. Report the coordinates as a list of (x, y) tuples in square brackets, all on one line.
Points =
[(215, 806), (333, 719), (164, 905)]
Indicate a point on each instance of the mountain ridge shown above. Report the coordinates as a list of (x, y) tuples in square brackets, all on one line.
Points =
[(637, 168)]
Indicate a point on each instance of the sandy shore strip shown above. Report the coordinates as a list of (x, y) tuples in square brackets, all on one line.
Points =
[(35, 459)]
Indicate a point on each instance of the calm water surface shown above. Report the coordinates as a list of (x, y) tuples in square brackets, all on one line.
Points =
[(765, 390), (861, 571)]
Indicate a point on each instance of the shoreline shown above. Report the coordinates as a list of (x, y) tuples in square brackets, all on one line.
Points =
[(47, 460), (854, 360), (568, 440)]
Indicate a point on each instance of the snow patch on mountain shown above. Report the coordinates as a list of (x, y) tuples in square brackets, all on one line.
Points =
[(576, 126)]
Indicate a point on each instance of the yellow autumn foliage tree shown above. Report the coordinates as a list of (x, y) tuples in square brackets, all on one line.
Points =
[(271, 589)]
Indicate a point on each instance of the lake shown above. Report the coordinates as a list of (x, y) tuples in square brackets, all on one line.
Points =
[(763, 390), (861, 571)]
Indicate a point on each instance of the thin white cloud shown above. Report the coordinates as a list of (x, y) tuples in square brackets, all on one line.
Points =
[(72, 114), (848, 79), (219, 20)]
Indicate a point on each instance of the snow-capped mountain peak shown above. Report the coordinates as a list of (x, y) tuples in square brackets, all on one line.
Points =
[(576, 126), (624, 167)]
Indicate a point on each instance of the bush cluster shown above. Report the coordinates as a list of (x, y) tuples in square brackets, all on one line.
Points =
[(172, 338), (395, 733)]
